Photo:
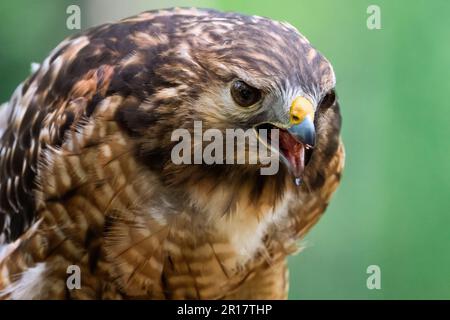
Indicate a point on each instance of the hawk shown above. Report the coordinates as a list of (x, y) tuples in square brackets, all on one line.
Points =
[(85, 159)]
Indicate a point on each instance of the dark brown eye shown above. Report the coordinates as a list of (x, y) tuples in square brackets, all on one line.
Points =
[(243, 94), (328, 100)]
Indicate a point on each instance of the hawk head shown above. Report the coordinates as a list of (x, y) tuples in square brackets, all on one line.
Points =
[(230, 71)]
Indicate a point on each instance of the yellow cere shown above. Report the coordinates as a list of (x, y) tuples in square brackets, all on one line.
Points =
[(301, 108)]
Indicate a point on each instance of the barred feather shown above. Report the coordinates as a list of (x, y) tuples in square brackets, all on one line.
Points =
[(85, 171)]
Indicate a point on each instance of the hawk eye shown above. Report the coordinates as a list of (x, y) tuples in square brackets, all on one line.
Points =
[(328, 100), (244, 94)]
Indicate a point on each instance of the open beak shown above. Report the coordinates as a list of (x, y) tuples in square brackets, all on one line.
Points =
[(298, 138)]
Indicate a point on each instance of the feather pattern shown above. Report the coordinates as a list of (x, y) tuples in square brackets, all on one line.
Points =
[(86, 177)]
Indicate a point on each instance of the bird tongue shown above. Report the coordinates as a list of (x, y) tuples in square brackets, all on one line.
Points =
[(294, 151)]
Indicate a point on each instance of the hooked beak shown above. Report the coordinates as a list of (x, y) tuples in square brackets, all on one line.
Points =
[(302, 121), (298, 138)]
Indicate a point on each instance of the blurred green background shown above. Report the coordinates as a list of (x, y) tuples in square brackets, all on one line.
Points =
[(393, 207)]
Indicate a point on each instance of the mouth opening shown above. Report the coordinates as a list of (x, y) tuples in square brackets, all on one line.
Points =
[(295, 154)]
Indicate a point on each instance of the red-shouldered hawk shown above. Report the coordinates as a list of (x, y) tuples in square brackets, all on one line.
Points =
[(87, 177)]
